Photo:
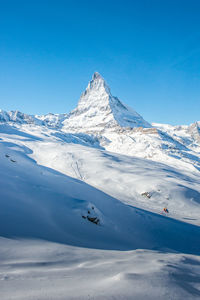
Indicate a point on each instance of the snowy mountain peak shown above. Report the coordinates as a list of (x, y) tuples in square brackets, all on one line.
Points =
[(96, 76), (98, 110), (97, 84)]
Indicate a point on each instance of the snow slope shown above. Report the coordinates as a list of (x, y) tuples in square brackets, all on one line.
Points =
[(39, 202), (122, 177), (43, 232), (32, 270), (81, 204)]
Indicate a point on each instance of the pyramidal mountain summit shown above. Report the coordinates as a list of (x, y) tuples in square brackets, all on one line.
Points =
[(98, 110)]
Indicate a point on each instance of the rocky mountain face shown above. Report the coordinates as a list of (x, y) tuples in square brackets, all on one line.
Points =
[(117, 128), (98, 111)]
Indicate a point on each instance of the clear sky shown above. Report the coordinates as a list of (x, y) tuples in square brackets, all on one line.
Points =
[(148, 52)]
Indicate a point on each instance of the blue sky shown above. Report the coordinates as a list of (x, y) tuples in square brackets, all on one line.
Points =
[(148, 52)]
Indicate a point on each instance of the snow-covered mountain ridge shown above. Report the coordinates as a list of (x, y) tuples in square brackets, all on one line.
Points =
[(99, 115), (49, 120)]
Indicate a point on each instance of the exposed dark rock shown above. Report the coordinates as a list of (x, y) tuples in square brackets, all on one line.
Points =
[(146, 194), (94, 220)]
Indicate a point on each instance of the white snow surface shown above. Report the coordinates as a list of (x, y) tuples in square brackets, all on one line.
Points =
[(49, 251), (31, 269), (101, 162)]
